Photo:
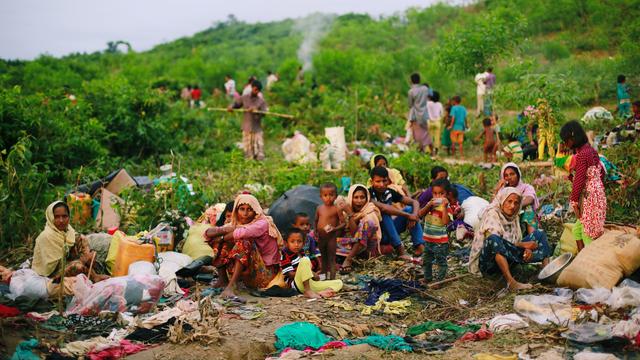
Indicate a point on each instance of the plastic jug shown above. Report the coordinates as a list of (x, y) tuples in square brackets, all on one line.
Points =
[(129, 252)]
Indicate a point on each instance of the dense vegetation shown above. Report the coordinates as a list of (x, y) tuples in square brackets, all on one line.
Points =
[(128, 112)]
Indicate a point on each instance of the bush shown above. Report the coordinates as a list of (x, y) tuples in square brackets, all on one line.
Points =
[(554, 50)]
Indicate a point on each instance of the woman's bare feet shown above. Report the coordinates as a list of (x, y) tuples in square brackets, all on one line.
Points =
[(517, 286), (227, 293)]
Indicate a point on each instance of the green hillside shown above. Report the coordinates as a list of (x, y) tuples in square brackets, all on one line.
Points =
[(129, 114)]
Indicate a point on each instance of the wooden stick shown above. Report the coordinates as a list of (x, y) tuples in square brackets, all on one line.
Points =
[(437, 283), (93, 257), (286, 116)]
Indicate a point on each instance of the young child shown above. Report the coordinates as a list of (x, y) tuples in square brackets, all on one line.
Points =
[(587, 199), (456, 214), (624, 99), (296, 268), (383, 198), (328, 222), (513, 150), (303, 224), (458, 125), (445, 138), (436, 219), (489, 135)]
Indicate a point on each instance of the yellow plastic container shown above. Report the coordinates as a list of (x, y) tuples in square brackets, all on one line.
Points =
[(129, 252)]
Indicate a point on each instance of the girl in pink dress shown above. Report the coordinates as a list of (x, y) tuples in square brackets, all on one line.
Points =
[(587, 199)]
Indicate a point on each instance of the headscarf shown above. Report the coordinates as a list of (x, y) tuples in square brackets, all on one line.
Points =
[(494, 221), (260, 215), (394, 175), (49, 248), (369, 211), (525, 189)]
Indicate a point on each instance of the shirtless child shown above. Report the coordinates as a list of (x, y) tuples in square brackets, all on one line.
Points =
[(328, 222)]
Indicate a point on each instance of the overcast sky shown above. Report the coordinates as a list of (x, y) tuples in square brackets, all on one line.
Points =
[(59, 27)]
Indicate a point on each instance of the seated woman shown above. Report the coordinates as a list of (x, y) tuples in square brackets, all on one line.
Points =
[(58, 238), (498, 241), (511, 176), (363, 227), (438, 172), (397, 181), (250, 247)]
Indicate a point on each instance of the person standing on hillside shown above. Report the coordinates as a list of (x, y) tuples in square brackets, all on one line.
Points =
[(185, 94), (230, 87), (252, 135), (246, 90), (490, 82), (481, 90), (418, 113), (196, 94), (436, 112), (271, 79)]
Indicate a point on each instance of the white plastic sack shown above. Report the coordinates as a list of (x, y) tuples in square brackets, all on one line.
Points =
[(28, 283), (298, 149), (170, 262), (472, 207), (544, 309), (597, 113), (625, 294), (506, 322), (336, 152), (593, 296), (142, 268)]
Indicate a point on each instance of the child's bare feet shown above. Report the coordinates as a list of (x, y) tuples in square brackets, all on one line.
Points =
[(327, 293)]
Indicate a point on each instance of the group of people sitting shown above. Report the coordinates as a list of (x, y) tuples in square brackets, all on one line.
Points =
[(249, 248), (367, 223)]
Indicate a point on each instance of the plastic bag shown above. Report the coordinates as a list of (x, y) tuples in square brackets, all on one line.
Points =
[(28, 283), (472, 207), (626, 294), (298, 149), (593, 296), (589, 332), (170, 262), (142, 268), (544, 309), (136, 294)]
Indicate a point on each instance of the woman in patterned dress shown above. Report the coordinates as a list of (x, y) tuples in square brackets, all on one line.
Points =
[(588, 199), (498, 243), (250, 249)]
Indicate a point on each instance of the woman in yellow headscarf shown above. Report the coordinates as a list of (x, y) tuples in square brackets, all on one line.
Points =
[(397, 181), (251, 247), (58, 240)]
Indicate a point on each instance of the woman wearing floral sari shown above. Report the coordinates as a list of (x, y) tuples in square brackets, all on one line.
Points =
[(250, 249)]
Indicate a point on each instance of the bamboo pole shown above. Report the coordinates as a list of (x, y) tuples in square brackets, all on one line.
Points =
[(269, 113)]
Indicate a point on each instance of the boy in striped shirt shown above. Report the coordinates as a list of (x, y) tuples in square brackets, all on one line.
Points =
[(436, 219)]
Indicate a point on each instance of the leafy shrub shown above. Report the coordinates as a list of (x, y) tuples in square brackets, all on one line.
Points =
[(554, 50)]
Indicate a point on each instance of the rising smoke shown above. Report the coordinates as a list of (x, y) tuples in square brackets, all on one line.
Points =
[(313, 28)]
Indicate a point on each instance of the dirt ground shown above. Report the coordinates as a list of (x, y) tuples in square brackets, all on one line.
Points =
[(468, 298)]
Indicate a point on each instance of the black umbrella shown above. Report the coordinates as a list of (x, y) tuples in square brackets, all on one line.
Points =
[(303, 198)]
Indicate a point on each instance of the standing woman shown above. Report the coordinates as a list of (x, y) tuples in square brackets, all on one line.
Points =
[(588, 199)]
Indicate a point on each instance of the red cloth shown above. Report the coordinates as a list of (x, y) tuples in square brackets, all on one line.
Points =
[(117, 352), (482, 334), (8, 311), (585, 157), (196, 94)]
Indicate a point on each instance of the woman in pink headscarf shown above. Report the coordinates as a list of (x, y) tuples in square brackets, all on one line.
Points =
[(250, 247)]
